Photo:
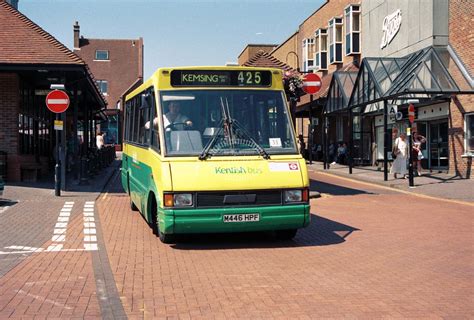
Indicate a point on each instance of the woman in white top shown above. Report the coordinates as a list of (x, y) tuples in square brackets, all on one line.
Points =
[(99, 139), (400, 150)]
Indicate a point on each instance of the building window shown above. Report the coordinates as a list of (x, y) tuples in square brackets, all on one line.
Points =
[(321, 50), (308, 53), (102, 55), (469, 133), (335, 40), (352, 24), (103, 86)]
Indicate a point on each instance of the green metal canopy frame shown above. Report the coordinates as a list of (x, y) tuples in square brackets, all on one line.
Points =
[(341, 86), (428, 75)]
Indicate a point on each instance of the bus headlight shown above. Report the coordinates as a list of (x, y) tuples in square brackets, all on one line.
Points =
[(299, 195), (183, 200)]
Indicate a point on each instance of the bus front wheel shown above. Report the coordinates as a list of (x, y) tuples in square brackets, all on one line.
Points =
[(132, 205), (286, 234), (165, 238)]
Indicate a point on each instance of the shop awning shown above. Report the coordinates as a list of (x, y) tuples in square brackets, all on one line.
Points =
[(428, 74)]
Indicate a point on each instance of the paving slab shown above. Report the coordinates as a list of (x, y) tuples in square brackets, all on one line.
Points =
[(434, 184)]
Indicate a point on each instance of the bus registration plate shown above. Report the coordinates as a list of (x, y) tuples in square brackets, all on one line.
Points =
[(245, 217)]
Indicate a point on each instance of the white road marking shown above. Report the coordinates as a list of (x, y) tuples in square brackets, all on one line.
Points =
[(57, 304), (90, 240), (59, 233)]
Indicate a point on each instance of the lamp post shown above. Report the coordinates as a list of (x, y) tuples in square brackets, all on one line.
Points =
[(297, 59), (293, 100)]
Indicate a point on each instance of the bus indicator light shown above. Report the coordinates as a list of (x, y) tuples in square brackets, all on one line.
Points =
[(168, 200)]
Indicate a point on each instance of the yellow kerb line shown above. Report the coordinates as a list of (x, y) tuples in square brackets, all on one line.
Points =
[(396, 190)]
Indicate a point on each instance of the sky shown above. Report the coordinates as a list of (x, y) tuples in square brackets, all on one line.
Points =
[(175, 33)]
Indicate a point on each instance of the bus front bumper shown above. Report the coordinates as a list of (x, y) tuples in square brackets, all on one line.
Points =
[(173, 221)]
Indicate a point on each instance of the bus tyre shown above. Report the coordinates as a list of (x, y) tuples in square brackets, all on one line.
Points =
[(165, 238), (133, 206), (286, 234)]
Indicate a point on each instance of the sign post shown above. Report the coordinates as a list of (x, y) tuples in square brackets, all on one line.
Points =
[(57, 101), (411, 118), (311, 85)]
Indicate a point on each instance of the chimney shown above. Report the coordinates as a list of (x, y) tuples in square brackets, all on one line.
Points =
[(76, 36)]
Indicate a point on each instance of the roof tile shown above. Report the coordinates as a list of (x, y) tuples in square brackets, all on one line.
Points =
[(23, 41), (266, 60)]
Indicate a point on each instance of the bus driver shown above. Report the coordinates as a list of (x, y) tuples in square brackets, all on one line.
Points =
[(174, 119)]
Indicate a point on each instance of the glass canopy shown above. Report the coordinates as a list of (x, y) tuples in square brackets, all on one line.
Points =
[(339, 91), (426, 74)]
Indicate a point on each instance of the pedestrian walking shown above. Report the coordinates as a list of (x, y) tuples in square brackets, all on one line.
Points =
[(400, 152), (416, 154)]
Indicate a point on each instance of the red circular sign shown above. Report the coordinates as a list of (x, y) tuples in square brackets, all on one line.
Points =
[(57, 101), (311, 83), (411, 113)]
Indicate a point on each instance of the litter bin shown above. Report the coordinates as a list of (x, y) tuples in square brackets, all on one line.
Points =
[(3, 165)]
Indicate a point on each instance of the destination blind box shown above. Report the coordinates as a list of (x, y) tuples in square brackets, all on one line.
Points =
[(221, 78)]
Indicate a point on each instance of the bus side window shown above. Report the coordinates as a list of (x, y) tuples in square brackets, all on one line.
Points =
[(154, 132)]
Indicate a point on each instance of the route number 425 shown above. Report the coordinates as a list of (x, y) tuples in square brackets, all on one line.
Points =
[(249, 78)]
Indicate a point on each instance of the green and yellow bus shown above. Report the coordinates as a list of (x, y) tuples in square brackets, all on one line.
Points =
[(212, 149)]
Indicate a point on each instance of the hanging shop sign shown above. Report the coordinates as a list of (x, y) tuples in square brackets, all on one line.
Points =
[(391, 25)]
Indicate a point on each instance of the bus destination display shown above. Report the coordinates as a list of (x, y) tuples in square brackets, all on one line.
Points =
[(218, 78)]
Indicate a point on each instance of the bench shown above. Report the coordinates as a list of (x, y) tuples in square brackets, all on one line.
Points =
[(30, 172)]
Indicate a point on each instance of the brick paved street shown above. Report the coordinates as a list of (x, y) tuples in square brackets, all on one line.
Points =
[(369, 253)]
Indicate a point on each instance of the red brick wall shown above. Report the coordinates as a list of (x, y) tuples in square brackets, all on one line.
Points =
[(121, 71), (9, 105), (320, 19), (461, 38)]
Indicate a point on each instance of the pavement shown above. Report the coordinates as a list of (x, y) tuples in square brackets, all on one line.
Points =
[(50, 263), (433, 184)]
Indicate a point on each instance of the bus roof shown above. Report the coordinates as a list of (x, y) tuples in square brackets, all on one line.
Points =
[(161, 78)]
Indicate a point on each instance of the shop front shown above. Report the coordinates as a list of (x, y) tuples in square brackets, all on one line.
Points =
[(408, 62)]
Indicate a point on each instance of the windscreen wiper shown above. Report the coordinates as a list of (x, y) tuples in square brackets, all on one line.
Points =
[(257, 146), (205, 153), (226, 126)]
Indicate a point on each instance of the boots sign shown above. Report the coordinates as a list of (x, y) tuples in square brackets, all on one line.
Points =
[(391, 25)]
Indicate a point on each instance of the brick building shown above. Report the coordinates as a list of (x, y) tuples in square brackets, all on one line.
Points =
[(252, 49), (30, 62), (117, 65), (374, 56), (461, 121)]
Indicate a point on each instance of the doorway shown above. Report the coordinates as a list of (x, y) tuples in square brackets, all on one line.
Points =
[(438, 144)]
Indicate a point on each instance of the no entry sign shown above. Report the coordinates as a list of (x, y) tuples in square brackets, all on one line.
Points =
[(57, 101), (311, 83)]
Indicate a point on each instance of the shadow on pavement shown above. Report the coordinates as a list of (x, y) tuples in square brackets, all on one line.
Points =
[(334, 189), (320, 232), (7, 202)]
